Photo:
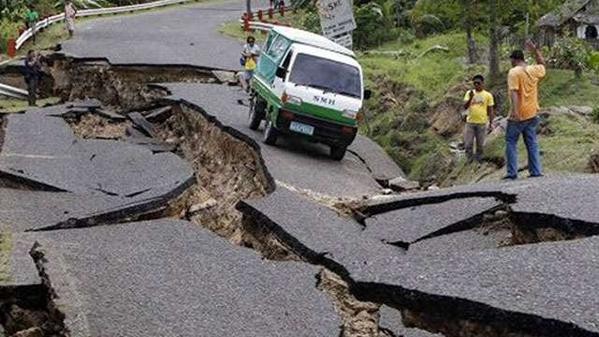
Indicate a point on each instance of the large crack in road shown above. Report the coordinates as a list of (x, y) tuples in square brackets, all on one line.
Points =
[(456, 262)]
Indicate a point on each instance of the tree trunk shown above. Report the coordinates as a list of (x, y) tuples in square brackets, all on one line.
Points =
[(471, 44), (493, 46), (248, 7)]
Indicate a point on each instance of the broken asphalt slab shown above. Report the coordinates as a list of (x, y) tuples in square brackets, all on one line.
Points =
[(305, 166), (408, 225), (536, 202), (19, 278), (319, 234), (543, 289), (168, 277), (27, 210), (20, 270), (43, 149)]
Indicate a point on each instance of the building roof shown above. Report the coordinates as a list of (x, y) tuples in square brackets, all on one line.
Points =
[(311, 39), (591, 18), (565, 12)]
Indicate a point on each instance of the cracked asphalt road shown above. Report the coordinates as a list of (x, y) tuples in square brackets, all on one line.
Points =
[(294, 163), (182, 35), (453, 272)]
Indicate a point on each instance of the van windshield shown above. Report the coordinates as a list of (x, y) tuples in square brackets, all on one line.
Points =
[(328, 75)]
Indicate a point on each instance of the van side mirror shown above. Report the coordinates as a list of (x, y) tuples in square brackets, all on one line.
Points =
[(281, 72), (367, 94)]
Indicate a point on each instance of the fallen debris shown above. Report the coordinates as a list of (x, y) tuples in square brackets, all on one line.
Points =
[(159, 115), (227, 77), (143, 124), (400, 184), (94, 126)]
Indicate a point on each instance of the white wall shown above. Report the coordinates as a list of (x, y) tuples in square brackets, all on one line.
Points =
[(581, 29)]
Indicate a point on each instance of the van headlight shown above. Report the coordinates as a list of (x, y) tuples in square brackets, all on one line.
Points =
[(294, 100), (285, 98), (350, 114)]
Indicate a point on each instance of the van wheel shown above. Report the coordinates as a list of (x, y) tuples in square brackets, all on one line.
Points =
[(270, 134), (257, 111), (338, 152)]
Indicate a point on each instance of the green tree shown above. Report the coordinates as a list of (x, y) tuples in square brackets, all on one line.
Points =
[(493, 44)]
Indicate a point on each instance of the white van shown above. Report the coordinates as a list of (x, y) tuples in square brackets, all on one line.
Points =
[(306, 85)]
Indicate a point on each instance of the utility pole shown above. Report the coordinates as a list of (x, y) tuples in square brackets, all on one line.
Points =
[(248, 8)]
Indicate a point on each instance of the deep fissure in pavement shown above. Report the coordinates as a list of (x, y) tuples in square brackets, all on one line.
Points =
[(452, 317), (126, 87), (229, 168), (25, 308), (360, 318)]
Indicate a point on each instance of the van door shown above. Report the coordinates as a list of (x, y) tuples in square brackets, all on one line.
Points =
[(278, 85), (276, 48)]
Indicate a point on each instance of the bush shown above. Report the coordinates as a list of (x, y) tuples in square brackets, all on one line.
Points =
[(375, 25), (309, 20), (593, 61), (571, 53), (595, 114)]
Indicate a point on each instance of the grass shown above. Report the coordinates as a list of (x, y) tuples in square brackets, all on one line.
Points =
[(432, 74), (561, 88), (234, 29), (14, 105), (46, 39), (5, 252), (416, 84), (566, 148)]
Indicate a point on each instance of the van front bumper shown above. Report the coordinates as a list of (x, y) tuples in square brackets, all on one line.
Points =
[(326, 132)]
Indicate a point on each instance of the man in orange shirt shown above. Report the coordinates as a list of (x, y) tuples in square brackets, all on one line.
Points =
[(523, 80)]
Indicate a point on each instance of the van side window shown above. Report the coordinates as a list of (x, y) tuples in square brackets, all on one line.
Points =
[(287, 60), (278, 48), (268, 43)]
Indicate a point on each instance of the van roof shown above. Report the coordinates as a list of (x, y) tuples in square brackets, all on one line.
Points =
[(304, 37), (327, 54)]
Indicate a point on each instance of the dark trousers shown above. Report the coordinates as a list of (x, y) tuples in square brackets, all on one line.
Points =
[(33, 31), (32, 84)]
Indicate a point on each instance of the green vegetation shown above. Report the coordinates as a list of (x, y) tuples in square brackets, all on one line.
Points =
[(432, 74), (234, 29), (46, 39), (595, 114), (566, 141), (416, 95), (562, 88), (14, 105), (5, 252)]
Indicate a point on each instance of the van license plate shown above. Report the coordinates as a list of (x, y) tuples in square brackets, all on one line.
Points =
[(301, 128)]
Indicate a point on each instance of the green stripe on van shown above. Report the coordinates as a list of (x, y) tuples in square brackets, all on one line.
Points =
[(307, 109)]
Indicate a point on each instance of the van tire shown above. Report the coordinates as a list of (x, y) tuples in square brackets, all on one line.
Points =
[(338, 152), (257, 111), (270, 134)]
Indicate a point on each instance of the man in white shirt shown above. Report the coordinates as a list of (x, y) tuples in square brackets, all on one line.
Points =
[(249, 55)]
